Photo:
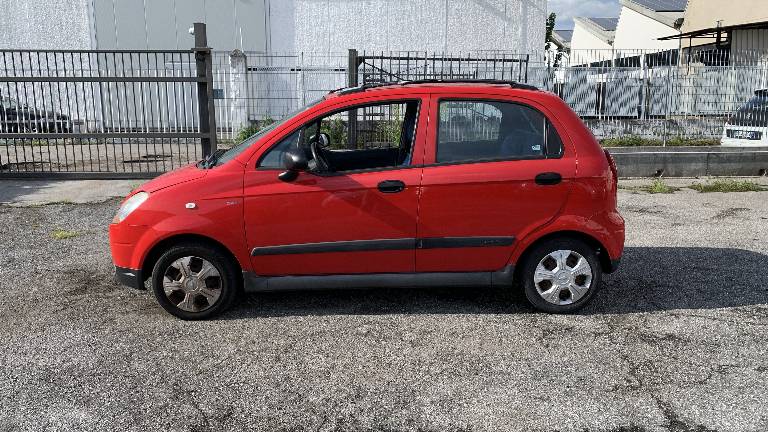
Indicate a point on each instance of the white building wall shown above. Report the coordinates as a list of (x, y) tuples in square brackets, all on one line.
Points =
[(277, 25), (50, 24), (586, 47), (164, 24), (637, 31), (397, 25)]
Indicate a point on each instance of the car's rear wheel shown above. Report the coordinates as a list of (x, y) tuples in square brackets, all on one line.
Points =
[(561, 275), (194, 281)]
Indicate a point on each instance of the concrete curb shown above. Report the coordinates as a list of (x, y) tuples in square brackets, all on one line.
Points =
[(690, 161)]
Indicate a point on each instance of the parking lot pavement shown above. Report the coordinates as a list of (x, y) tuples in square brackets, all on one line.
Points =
[(676, 340)]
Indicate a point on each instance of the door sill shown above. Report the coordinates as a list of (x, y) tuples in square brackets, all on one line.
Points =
[(256, 283)]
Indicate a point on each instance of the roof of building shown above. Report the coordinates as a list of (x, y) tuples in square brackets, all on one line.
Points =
[(602, 28), (666, 12), (565, 35), (663, 5), (716, 32), (607, 24)]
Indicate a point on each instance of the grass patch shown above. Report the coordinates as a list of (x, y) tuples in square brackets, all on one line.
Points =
[(728, 186), (633, 141), (60, 202), (658, 186), (60, 234)]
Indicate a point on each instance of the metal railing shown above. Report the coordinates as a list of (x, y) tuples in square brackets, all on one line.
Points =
[(657, 95), (252, 87), (138, 113)]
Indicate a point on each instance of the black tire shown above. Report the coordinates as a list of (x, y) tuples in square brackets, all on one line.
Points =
[(543, 250), (228, 281)]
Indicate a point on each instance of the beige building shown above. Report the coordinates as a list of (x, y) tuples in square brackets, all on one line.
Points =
[(739, 28)]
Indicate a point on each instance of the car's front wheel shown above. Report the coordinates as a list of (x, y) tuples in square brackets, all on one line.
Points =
[(561, 275), (194, 281)]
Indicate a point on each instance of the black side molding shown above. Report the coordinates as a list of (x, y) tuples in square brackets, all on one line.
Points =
[(384, 244), (463, 242), (337, 246)]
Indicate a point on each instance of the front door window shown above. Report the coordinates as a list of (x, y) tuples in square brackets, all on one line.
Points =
[(360, 138)]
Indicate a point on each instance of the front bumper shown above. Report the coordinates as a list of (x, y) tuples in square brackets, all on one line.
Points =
[(129, 277)]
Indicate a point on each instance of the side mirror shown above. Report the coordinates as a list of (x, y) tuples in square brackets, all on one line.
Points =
[(294, 161)]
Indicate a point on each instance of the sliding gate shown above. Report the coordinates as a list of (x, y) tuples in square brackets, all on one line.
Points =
[(105, 114)]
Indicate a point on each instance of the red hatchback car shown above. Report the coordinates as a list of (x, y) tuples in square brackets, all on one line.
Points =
[(397, 185)]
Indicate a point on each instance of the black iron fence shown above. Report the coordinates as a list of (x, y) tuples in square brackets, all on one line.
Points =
[(104, 113), (139, 113), (367, 67)]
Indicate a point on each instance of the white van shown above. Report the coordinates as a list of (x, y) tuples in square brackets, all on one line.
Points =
[(748, 126)]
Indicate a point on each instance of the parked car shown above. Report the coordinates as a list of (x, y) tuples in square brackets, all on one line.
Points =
[(16, 117), (400, 185), (748, 126)]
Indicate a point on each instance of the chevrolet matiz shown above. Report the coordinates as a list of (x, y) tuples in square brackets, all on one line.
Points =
[(410, 184)]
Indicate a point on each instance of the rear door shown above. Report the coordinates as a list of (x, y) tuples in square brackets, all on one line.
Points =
[(495, 169)]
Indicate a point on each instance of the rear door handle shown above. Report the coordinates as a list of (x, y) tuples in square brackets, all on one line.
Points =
[(548, 178), (391, 186)]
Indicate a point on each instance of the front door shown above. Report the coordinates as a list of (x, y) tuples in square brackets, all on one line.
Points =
[(356, 215), (495, 171)]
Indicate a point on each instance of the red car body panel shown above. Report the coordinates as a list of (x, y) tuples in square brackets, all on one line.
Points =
[(218, 215), (244, 208)]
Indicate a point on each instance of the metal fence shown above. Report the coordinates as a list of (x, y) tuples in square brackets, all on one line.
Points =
[(138, 113), (251, 87), (103, 113), (656, 94), (652, 94)]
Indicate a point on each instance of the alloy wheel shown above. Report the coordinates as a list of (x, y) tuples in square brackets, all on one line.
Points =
[(192, 284), (563, 277)]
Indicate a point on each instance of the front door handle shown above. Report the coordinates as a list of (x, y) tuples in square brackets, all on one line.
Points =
[(391, 186), (548, 178)]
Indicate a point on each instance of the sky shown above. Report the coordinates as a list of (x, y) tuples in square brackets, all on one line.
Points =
[(567, 9)]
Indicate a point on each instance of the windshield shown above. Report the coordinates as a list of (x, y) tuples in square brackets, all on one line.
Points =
[(236, 150)]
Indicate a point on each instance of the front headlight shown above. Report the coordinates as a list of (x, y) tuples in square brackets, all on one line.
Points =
[(129, 206)]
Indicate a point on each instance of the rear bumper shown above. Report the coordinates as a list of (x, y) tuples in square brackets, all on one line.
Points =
[(129, 277), (615, 265)]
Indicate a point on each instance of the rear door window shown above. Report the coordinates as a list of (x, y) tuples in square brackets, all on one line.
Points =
[(492, 130)]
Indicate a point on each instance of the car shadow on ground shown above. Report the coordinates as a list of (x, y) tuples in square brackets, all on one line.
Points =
[(649, 279)]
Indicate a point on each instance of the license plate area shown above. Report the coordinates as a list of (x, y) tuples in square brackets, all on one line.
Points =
[(742, 134)]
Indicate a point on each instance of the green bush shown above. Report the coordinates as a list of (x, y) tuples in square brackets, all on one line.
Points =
[(336, 130), (246, 132)]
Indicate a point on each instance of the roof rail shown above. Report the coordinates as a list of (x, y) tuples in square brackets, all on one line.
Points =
[(513, 84), (364, 87)]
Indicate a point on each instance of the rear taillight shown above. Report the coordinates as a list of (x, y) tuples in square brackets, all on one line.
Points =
[(612, 164)]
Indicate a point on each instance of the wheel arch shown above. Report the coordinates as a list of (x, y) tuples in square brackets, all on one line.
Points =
[(157, 250), (600, 250)]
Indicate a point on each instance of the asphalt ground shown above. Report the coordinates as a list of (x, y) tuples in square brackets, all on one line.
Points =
[(675, 341)]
